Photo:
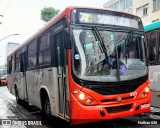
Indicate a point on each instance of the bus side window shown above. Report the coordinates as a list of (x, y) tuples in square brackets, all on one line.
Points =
[(31, 58), (13, 62), (9, 66), (159, 46), (147, 36), (44, 53), (152, 47), (17, 61), (23, 62)]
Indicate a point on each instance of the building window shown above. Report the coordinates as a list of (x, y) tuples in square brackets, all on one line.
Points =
[(111, 7), (156, 5), (116, 6), (128, 3), (143, 10), (125, 4)]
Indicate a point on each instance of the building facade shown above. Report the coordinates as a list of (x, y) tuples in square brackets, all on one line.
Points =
[(148, 10), (11, 47)]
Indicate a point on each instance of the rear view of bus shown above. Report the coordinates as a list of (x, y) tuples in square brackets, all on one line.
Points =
[(109, 76)]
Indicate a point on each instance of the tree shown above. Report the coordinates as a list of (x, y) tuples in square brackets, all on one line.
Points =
[(47, 13)]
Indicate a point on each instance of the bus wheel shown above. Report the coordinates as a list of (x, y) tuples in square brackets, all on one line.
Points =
[(46, 108), (17, 96)]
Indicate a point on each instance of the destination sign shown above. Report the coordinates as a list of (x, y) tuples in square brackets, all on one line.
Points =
[(95, 18)]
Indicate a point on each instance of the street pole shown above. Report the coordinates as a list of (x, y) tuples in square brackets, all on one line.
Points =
[(0, 21), (8, 36)]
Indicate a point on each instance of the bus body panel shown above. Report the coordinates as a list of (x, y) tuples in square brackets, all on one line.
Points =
[(152, 41), (155, 98), (154, 77), (43, 79), (92, 113), (16, 79), (58, 82), (155, 84)]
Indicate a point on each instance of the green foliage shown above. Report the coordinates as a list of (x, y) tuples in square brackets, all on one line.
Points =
[(47, 13)]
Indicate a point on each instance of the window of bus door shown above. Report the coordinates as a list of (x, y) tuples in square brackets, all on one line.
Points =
[(153, 47), (91, 63)]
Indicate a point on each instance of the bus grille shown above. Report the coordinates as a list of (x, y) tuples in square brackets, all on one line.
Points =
[(115, 89), (118, 87), (119, 108), (115, 100)]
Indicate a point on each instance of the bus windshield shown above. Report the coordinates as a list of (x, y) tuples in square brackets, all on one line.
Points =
[(125, 58)]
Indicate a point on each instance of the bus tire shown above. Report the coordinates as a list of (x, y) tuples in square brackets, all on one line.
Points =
[(46, 107), (19, 101)]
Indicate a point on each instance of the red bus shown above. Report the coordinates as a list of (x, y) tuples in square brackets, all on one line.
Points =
[(85, 65)]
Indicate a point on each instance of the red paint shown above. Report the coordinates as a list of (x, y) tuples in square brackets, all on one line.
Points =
[(81, 113)]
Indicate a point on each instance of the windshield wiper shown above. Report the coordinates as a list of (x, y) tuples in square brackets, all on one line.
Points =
[(101, 42), (126, 50), (118, 66), (105, 51), (128, 41)]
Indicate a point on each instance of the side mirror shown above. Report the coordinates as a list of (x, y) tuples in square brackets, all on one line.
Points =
[(66, 39)]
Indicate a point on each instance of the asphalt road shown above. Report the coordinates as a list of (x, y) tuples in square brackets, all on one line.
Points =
[(19, 116)]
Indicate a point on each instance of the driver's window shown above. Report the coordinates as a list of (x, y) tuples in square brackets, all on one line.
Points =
[(109, 41), (91, 47), (133, 48)]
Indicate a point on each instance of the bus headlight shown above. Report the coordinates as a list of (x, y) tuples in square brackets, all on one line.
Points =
[(81, 96), (88, 101), (146, 89), (84, 98), (145, 92)]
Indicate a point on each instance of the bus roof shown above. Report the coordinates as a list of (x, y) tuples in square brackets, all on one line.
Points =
[(65, 13), (152, 26)]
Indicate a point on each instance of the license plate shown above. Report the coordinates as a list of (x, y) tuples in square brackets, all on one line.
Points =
[(146, 105)]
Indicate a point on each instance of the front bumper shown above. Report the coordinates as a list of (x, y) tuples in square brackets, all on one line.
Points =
[(84, 114)]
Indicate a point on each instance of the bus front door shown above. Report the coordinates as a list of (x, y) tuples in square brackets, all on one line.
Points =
[(63, 92)]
